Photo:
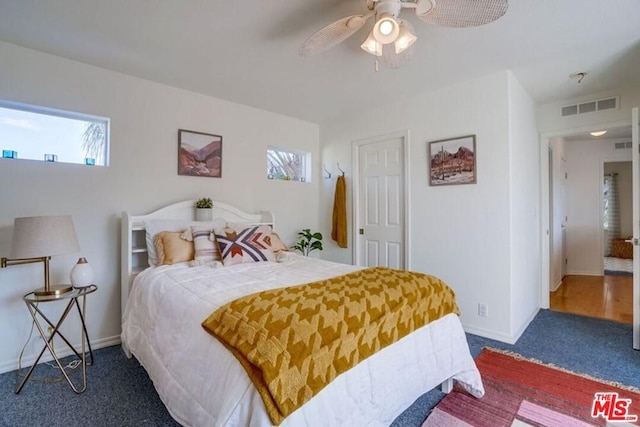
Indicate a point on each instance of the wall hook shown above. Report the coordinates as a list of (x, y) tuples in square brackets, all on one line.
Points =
[(328, 174), (340, 169)]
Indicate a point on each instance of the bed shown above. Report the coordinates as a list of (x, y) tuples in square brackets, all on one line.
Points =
[(202, 384)]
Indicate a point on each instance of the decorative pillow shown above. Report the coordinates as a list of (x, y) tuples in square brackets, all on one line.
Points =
[(277, 245), (204, 243), (621, 249), (171, 248), (155, 226), (216, 223), (241, 243)]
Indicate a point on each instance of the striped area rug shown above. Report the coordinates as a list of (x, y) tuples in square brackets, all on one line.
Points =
[(618, 266), (522, 392)]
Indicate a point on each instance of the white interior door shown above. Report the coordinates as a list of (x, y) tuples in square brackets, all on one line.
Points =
[(635, 138), (380, 211)]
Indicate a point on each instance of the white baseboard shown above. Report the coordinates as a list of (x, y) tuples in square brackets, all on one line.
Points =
[(498, 336), (526, 324), (61, 350), (557, 285), (585, 273), (487, 333)]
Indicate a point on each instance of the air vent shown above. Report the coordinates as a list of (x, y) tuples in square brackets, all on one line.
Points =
[(591, 106), (608, 104), (622, 145), (586, 107), (569, 110)]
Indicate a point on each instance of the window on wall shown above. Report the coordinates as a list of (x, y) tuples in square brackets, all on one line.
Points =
[(46, 134), (288, 165)]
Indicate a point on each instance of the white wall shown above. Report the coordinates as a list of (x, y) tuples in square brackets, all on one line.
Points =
[(524, 180), (459, 233), (584, 202), (145, 118)]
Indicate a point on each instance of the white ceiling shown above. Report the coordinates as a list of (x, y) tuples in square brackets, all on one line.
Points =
[(623, 134), (247, 52)]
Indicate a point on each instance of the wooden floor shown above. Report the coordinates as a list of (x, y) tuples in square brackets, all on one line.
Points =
[(606, 297)]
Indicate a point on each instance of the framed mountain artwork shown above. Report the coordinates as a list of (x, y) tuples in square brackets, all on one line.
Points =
[(199, 154), (452, 161)]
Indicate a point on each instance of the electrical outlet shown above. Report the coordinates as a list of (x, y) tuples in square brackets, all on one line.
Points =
[(47, 334), (483, 310)]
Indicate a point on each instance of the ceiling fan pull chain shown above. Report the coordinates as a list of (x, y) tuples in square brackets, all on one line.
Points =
[(376, 65)]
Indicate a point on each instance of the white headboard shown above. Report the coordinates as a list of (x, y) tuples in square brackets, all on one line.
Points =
[(134, 247)]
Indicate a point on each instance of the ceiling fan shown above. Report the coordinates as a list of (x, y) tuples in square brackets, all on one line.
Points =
[(391, 37)]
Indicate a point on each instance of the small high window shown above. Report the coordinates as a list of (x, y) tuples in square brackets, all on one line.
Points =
[(46, 134), (288, 165)]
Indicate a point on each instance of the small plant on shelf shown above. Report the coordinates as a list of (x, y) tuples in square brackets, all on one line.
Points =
[(204, 209), (308, 242), (204, 203)]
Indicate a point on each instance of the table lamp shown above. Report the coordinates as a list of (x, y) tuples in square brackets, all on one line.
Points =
[(37, 239)]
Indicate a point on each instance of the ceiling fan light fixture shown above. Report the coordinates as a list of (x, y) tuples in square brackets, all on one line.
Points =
[(372, 46), (386, 29), (393, 60), (406, 37), (598, 133), (423, 7)]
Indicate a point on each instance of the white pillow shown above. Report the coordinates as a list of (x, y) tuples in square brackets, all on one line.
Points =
[(155, 226), (205, 247)]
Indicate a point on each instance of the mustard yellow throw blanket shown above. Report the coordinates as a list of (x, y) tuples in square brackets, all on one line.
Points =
[(294, 341)]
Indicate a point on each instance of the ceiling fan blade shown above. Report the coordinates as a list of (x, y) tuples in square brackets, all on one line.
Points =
[(332, 34), (461, 13)]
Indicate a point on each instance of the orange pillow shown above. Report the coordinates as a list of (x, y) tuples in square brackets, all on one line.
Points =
[(172, 249)]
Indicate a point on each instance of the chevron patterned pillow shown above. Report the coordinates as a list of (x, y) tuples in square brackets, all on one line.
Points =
[(239, 243)]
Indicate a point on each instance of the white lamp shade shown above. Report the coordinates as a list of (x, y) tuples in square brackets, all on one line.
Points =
[(41, 236), (371, 46), (405, 37), (81, 273)]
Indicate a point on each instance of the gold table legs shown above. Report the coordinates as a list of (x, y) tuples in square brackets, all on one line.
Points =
[(34, 310)]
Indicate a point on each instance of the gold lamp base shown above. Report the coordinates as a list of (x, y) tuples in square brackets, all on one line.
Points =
[(53, 290), (48, 289)]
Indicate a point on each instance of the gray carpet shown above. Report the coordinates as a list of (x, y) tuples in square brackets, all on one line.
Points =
[(120, 392)]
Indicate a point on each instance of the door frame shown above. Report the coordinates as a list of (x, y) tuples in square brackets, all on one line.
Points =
[(355, 158), (545, 235), (635, 296)]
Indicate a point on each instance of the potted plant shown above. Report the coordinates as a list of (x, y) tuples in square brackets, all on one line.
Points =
[(204, 208), (308, 242)]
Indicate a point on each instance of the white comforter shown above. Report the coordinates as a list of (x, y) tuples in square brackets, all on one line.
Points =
[(202, 384)]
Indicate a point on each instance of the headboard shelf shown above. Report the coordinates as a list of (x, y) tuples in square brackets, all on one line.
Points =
[(134, 254)]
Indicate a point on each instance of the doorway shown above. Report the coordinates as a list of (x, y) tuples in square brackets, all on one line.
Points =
[(576, 223), (617, 220)]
